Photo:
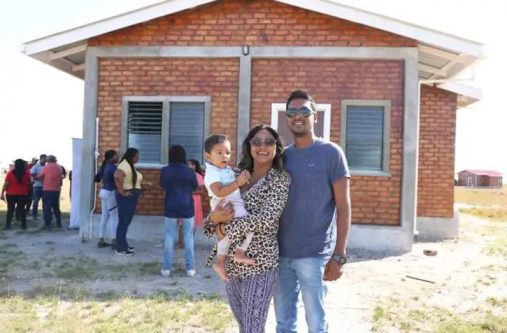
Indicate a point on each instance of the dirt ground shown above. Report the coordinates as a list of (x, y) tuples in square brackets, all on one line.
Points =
[(378, 292)]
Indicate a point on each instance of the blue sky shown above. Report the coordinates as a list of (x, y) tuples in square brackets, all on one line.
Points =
[(41, 107)]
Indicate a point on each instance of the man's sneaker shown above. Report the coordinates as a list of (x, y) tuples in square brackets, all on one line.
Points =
[(124, 253), (191, 272), (165, 272), (131, 248)]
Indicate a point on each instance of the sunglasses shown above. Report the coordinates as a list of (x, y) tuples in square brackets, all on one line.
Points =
[(304, 111), (269, 142)]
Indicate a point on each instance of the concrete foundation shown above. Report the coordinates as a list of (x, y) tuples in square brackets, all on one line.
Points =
[(437, 228)]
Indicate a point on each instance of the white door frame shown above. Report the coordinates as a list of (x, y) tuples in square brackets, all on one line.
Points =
[(326, 108)]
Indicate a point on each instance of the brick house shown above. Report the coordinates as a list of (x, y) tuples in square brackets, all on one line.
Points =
[(176, 71), (480, 178)]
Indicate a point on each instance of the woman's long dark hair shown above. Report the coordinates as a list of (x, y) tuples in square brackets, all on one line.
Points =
[(129, 157), (246, 162), (108, 155), (197, 166), (19, 170)]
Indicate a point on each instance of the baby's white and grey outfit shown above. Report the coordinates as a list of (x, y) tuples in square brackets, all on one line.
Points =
[(226, 176)]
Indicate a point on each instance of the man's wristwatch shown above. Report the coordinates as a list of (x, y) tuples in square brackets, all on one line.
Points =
[(342, 260)]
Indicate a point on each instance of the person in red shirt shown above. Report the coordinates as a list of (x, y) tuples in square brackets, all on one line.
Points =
[(51, 177), (16, 186)]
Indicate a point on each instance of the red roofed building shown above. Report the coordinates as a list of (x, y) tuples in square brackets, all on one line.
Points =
[(480, 178)]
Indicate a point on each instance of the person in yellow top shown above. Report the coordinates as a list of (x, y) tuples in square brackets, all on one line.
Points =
[(128, 188)]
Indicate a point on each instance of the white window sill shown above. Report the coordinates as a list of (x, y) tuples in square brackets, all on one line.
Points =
[(371, 173)]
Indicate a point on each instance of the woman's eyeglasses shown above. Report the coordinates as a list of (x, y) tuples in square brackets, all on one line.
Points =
[(304, 111), (269, 142)]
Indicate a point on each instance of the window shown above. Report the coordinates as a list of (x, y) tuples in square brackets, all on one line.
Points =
[(279, 122), (153, 123), (145, 129), (365, 133)]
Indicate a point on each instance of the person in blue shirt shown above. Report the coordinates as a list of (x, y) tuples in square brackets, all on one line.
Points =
[(315, 223), (108, 199), (178, 182)]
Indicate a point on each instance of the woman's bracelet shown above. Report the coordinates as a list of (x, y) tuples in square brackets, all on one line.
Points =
[(219, 226)]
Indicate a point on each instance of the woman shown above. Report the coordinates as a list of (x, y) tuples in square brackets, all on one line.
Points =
[(199, 174), (16, 185), (250, 287), (178, 182), (107, 198), (128, 187)]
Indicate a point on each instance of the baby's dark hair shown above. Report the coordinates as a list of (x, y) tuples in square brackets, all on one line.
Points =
[(214, 140)]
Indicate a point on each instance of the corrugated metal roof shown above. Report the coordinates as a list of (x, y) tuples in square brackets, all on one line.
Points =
[(489, 173)]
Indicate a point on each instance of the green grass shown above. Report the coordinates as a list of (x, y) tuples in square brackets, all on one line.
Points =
[(491, 213), (497, 247), (488, 324), (48, 310), (491, 318), (481, 197)]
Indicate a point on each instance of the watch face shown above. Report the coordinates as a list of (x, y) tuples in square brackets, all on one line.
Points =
[(341, 259)]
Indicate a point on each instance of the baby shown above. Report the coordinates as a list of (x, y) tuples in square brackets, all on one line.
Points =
[(221, 184)]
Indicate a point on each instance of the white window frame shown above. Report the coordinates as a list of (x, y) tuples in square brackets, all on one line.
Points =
[(166, 113), (326, 108), (386, 154)]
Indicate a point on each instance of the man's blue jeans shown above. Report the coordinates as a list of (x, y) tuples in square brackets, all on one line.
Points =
[(171, 235), (305, 275), (51, 203), (37, 195)]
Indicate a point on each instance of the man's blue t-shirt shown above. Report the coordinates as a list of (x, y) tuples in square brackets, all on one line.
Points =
[(108, 177), (178, 182), (308, 223)]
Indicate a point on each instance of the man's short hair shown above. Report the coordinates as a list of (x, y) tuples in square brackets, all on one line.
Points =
[(51, 159), (42, 156), (301, 94), (214, 140)]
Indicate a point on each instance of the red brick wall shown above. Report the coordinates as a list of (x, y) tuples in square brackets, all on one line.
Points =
[(260, 22), (217, 78), (375, 200), (437, 135)]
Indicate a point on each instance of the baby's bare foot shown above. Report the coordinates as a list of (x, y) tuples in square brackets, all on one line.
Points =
[(219, 268)]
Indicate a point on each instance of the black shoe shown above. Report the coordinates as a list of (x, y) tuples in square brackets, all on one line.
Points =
[(124, 253), (23, 227), (7, 227), (102, 244), (132, 249)]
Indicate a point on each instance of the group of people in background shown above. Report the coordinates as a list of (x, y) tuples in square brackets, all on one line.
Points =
[(26, 184), (121, 187)]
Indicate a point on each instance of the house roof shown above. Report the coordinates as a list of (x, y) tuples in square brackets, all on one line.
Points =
[(489, 173), (441, 55)]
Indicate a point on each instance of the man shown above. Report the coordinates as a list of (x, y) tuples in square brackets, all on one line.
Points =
[(315, 224), (37, 185), (51, 177)]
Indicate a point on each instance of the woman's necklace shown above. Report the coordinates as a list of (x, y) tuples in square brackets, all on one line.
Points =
[(256, 176)]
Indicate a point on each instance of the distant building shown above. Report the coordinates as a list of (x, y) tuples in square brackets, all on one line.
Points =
[(480, 178)]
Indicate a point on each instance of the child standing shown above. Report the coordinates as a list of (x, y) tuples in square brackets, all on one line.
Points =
[(222, 185)]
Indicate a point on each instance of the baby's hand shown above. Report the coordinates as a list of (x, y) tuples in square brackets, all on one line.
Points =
[(243, 178)]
